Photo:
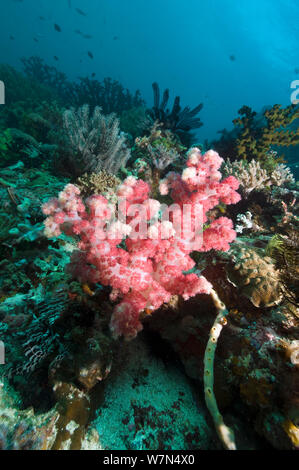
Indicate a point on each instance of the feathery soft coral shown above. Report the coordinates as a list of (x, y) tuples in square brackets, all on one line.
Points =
[(153, 263)]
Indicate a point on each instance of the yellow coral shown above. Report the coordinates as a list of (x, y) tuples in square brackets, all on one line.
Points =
[(255, 276), (256, 391), (292, 431), (98, 183)]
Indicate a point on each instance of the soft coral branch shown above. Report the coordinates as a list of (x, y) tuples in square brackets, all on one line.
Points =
[(154, 259)]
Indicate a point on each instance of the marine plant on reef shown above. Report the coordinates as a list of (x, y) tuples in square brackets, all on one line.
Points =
[(21, 89), (36, 68), (51, 334), (157, 152), (252, 176), (5, 141), (109, 94), (135, 121), (178, 120), (146, 260), (254, 274), (22, 430), (94, 141), (98, 183), (284, 249), (32, 338), (254, 136)]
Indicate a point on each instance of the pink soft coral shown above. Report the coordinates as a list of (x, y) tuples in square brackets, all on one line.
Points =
[(154, 261)]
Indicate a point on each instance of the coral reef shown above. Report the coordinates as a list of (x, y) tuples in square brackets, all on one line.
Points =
[(20, 89), (5, 141), (155, 153), (162, 148), (98, 183), (253, 177), (253, 357), (255, 275), (222, 314), (110, 95), (284, 249), (281, 175), (256, 135), (244, 222), (39, 72), (135, 121)]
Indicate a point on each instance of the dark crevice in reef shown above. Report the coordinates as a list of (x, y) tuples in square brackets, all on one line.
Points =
[(236, 415), (161, 349)]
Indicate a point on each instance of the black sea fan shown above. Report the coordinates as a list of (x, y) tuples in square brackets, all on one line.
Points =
[(178, 120)]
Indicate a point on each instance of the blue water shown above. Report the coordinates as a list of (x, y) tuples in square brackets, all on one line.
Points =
[(224, 53)]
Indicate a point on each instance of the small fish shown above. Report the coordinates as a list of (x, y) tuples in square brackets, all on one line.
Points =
[(87, 36), (296, 71), (11, 38), (77, 31), (87, 290), (69, 3), (57, 28), (80, 12), (35, 39), (93, 74), (42, 18), (232, 58), (55, 57), (90, 54), (115, 38)]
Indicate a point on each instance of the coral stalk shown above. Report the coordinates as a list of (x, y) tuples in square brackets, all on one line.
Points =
[(225, 433)]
